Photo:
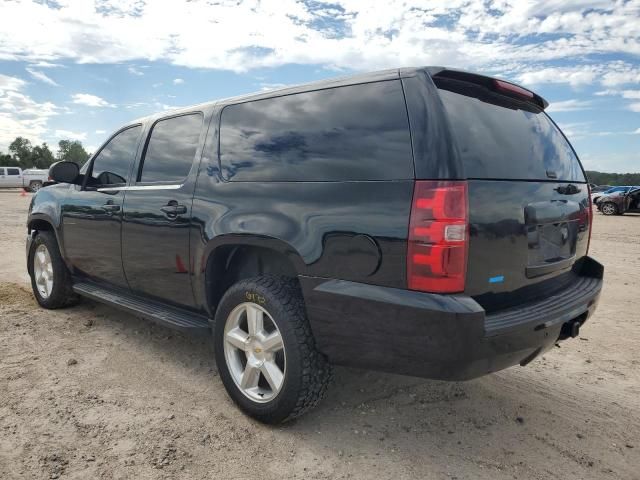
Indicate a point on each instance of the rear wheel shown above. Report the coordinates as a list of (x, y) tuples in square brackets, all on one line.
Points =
[(265, 351), (35, 186), (50, 279), (609, 208)]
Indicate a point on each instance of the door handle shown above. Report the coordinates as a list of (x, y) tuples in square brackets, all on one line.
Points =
[(110, 208), (173, 209)]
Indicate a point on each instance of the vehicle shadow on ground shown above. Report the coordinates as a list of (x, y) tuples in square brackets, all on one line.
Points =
[(368, 416)]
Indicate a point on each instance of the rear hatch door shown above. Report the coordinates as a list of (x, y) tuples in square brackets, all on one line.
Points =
[(528, 197)]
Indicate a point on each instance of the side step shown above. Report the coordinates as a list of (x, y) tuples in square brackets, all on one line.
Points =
[(156, 312)]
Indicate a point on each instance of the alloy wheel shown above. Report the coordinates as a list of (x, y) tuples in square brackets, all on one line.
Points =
[(608, 209), (254, 352), (43, 271)]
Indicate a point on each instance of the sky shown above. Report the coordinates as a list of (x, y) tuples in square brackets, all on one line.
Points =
[(79, 69)]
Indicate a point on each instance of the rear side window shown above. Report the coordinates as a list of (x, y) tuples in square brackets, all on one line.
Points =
[(13, 171), (172, 146), (111, 166), (357, 132), (499, 138)]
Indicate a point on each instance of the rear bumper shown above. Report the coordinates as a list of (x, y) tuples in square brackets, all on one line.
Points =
[(447, 337)]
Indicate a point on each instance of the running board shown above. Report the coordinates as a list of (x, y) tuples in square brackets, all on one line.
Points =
[(156, 312)]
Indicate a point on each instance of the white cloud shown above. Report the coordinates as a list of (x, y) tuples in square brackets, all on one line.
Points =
[(101, 132), (569, 105), (272, 86), (43, 64), (134, 71), (41, 76), (20, 115), (341, 34), (10, 83), (634, 107), (90, 100), (178, 81), (68, 135)]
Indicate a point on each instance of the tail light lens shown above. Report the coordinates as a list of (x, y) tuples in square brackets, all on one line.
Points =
[(438, 237)]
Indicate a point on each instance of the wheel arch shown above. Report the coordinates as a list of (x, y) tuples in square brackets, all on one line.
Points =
[(233, 258), (42, 222)]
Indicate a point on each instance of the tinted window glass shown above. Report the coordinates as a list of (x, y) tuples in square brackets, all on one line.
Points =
[(171, 149), (502, 138), (13, 171), (111, 166), (358, 132)]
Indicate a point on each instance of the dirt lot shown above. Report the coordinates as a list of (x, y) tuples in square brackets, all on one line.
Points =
[(89, 392)]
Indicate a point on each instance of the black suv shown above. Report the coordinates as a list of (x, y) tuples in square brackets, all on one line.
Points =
[(422, 221)]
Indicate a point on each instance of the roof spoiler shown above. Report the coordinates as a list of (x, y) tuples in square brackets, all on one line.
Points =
[(493, 84)]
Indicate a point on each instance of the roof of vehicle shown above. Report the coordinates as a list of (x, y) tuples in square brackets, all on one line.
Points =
[(354, 79)]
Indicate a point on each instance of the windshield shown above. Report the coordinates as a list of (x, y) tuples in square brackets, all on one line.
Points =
[(617, 189)]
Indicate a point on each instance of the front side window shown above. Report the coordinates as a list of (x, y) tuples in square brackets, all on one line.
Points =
[(13, 171), (171, 149), (111, 166)]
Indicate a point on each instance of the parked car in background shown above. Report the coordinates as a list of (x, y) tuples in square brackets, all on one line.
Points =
[(31, 180), (351, 221), (598, 188), (620, 202), (622, 189)]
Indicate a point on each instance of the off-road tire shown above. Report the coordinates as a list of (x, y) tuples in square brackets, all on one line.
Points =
[(62, 294), (307, 374)]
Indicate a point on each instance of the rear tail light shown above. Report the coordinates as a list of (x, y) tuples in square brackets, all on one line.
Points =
[(438, 237)]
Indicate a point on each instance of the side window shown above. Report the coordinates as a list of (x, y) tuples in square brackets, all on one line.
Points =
[(13, 171), (356, 132), (111, 166), (171, 149)]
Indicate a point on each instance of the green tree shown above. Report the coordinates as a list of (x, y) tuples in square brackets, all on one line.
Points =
[(42, 156), (72, 151), (22, 151), (7, 160), (601, 178)]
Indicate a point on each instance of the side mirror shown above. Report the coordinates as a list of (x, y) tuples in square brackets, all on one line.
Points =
[(64, 172)]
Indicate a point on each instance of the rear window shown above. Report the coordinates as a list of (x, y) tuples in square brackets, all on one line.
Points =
[(503, 138), (357, 132), (171, 149)]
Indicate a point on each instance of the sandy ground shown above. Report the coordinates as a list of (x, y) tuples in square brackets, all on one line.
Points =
[(89, 392)]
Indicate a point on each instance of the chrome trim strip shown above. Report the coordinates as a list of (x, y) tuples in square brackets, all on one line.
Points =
[(139, 187)]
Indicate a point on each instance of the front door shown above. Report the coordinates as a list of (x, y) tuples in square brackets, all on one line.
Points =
[(157, 211), (14, 177), (92, 214)]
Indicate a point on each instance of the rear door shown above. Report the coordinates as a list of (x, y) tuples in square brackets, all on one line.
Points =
[(157, 210), (92, 214), (528, 197)]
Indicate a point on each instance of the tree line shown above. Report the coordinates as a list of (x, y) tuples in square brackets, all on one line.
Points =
[(22, 153), (601, 178)]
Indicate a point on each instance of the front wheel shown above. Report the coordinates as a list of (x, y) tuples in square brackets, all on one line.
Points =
[(50, 279), (609, 208), (265, 350)]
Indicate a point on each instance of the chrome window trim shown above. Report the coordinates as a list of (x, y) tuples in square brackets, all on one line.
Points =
[(140, 187)]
